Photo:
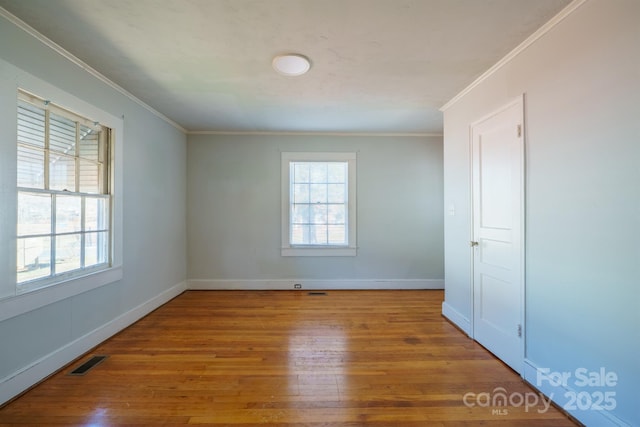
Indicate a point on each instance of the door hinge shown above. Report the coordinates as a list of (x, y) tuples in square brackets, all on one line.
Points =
[(519, 131), (519, 331)]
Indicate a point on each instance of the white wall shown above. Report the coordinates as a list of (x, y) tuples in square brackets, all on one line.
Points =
[(582, 109), (38, 341), (234, 213)]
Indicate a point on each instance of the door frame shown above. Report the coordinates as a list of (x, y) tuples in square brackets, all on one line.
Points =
[(518, 100)]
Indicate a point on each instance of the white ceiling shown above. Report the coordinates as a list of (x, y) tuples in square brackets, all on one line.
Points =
[(377, 65)]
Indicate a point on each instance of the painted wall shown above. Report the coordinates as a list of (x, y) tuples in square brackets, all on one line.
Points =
[(234, 211), (582, 199), (154, 203)]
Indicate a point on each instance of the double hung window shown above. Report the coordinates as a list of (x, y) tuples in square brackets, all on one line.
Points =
[(64, 201), (319, 204)]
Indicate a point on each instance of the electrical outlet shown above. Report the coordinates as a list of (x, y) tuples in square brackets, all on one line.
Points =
[(297, 286)]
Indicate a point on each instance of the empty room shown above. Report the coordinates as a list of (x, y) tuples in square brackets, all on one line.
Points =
[(322, 213)]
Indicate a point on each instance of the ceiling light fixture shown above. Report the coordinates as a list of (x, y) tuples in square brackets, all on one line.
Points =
[(291, 64)]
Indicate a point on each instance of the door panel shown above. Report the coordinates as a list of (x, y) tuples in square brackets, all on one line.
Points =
[(498, 189), (495, 253), (495, 178)]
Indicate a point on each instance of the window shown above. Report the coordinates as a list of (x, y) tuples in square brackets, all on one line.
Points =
[(64, 202), (319, 204)]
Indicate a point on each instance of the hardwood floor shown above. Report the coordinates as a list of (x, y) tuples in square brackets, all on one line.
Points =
[(240, 358)]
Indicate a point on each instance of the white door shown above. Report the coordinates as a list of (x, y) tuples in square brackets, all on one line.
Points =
[(498, 238)]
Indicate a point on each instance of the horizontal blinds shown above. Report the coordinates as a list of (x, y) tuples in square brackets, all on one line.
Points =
[(56, 109), (31, 124), (71, 146)]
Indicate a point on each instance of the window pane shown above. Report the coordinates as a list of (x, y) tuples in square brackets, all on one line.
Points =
[(299, 234), (34, 258), (300, 214), (318, 193), (62, 172), (318, 235), (62, 134), (89, 143), (68, 214), (67, 253), (89, 177), (337, 235), (300, 193), (336, 214), (96, 214), (301, 172), (30, 167), (318, 203), (30, 124), (337, 172), (96, 248), (337, 193), (34, 214), (318, 214), (318, 172)]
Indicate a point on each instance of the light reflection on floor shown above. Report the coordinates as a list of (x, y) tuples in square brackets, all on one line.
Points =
[(317, 356), (98, 418)]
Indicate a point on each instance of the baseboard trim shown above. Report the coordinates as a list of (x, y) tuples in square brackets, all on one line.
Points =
[(457, 318), (560, 395), (20, 381), (289, 284)]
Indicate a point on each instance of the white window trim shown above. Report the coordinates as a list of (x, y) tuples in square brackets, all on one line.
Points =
[(324, 250), (28, 300)]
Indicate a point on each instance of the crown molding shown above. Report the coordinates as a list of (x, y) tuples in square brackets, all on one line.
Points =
[(294, 133), (568, 10), (83, 65)]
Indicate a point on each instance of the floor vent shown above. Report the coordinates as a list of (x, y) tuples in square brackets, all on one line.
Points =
[(317, 293), (88, 365)]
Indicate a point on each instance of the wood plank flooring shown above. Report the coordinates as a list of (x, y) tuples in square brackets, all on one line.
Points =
[(241, 358)]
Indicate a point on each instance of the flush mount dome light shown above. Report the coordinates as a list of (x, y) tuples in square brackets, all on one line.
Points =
[(291, 64)]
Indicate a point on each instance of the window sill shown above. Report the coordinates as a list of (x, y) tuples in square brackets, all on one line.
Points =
[(318, 251), (31, 300)]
